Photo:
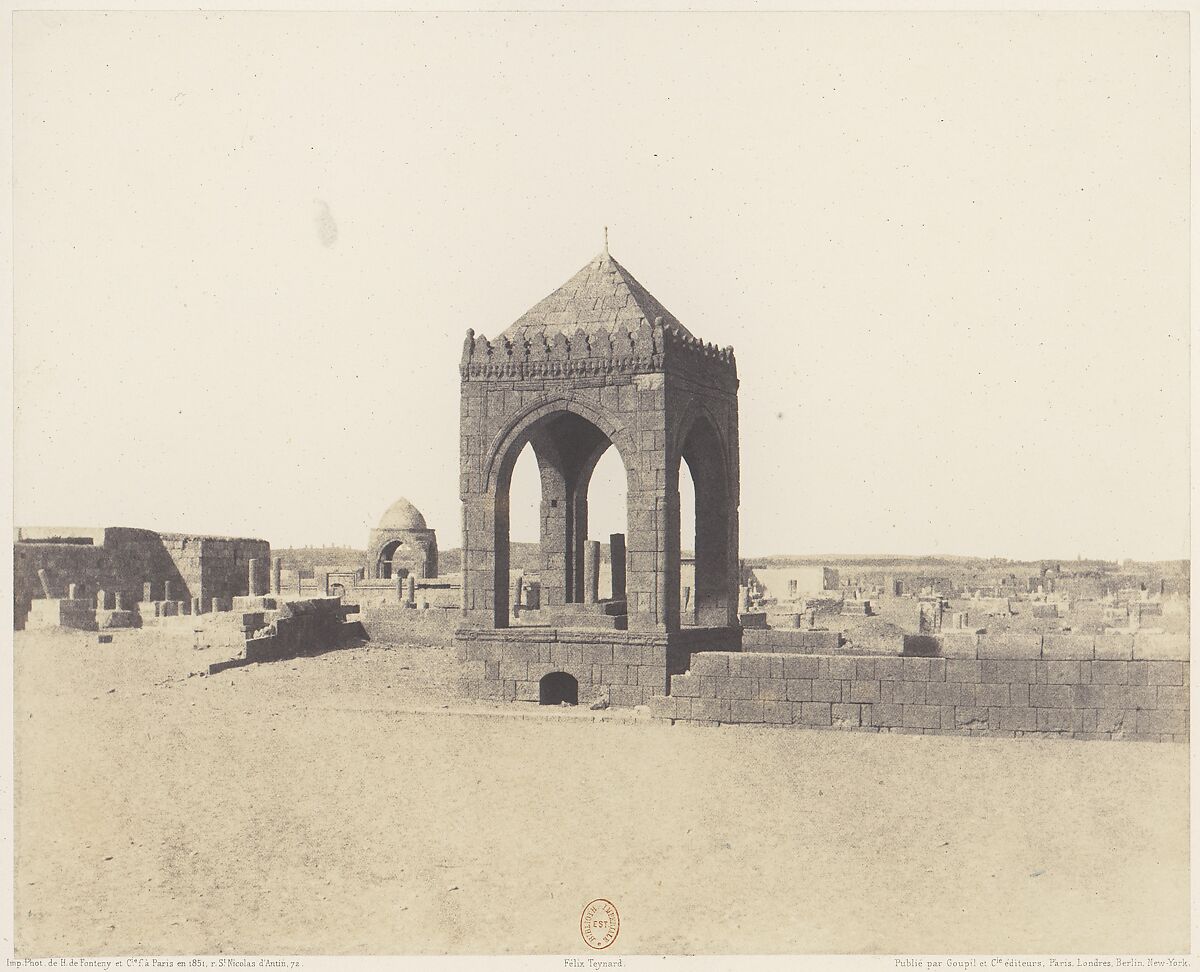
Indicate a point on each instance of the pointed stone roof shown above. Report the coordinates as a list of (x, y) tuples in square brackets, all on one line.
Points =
[(602, 295)]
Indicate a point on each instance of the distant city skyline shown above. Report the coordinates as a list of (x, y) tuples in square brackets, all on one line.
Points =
[(950, 252)]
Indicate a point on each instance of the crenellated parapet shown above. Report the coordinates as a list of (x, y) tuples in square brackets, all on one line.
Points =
[(535, 352)]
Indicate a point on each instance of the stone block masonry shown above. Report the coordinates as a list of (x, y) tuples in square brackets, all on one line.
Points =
[(1078, 698), (628, 667)]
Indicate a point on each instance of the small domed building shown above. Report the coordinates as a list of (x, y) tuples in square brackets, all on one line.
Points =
[(402, 544)]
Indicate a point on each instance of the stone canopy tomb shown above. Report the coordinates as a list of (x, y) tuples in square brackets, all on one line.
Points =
[(402, 544), (600, 364)]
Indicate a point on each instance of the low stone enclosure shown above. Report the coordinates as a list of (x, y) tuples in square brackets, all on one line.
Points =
[(1110, 699), (290, 629), (1100, 692)]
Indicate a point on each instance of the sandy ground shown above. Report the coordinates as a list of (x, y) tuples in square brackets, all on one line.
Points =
[(305, 807)]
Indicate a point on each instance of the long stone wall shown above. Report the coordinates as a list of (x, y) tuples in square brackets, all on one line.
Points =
[(1106, 699)]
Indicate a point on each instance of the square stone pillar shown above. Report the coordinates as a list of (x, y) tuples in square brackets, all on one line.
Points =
[(591, 572), (616, 557)]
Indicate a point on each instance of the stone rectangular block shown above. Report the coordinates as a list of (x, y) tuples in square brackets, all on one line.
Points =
[(686, 685), (772, 689), (567, 655), (710, 663), (743, 710), (1018, 694), (1116, 696), (1110, 672), (916, 669), (1051, 696), (861, 691), (909, 693), (889, 669), (826, 690), (991, 693), (663, 707), (846, 715), (1059, 672), (801, 666), (1164, 673), (616, 675), (846, 668), (884, 714), (922, 717), (651, 654), (751, 665), (710, 710), (971, 717), (949, 693), (963, 670), (779, 713), (1111, 720), (628, 695), (799, 689), (596, 654), (523, 654), (1162, 720), (623, 654), (517, 671), (815, 714), (1007, 671), (1139, 672), (1054, 720), (528, 691), (1023, 718), (1173, 696)]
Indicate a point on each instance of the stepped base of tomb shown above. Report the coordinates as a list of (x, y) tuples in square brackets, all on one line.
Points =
[(62, 612), (552, 664), (603, 615)]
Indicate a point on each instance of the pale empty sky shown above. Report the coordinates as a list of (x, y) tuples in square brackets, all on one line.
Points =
[(950, 250)]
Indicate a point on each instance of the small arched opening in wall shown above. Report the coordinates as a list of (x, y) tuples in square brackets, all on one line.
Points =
[(384, 569), (557, 688)]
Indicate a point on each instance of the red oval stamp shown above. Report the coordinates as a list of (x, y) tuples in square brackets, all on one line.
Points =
[(599, 923)]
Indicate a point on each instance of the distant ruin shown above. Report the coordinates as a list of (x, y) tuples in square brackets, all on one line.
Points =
[(111, 576)]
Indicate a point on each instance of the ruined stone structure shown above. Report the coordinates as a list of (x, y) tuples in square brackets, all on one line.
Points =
[(600, 363), (402, 545), (114, 568)]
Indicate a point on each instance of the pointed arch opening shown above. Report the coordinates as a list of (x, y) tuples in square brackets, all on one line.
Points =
[(567, 449)]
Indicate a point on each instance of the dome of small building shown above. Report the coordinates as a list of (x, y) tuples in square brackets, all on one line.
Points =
[(402, 515)]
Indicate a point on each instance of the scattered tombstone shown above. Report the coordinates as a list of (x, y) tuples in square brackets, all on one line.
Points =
[(45, 579), (277, 576)]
